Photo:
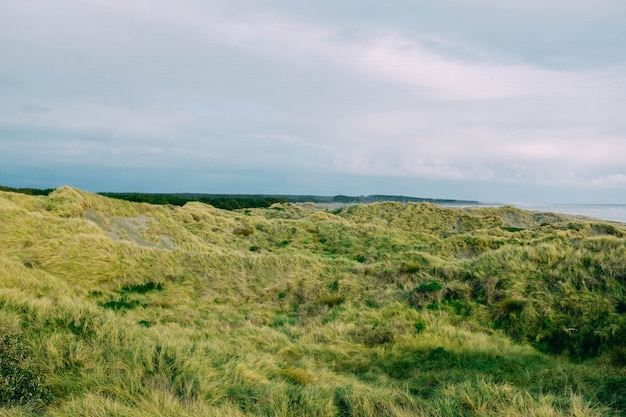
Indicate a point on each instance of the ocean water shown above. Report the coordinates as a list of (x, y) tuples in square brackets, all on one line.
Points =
[(612, 212)]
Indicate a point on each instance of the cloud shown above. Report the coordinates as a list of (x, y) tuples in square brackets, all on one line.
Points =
[(390, 57), (34, 108), (610, 181), (559, 8), (359, 88)]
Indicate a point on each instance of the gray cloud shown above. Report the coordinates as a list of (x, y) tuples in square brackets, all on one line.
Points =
[(456, 92)]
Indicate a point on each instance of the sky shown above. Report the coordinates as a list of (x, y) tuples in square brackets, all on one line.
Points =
[(497, 101)]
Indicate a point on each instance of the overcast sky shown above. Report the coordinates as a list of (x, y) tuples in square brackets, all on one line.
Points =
[(500, 101)]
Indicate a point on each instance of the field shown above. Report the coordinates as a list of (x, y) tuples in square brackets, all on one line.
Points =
[(116, 308)]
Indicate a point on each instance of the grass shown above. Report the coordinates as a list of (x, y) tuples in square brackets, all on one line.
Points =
[(114, 308)]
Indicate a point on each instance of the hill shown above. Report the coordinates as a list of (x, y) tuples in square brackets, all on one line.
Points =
[(116, 308)]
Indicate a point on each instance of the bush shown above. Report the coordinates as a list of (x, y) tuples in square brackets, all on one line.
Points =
[(426, 293), (410, 267), (142, 288), (508, 309), (428, 287), (373, 336), (456, 290), (243, 231), (20, 384)]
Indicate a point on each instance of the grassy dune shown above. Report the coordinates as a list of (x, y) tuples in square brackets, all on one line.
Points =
[(113, 308)]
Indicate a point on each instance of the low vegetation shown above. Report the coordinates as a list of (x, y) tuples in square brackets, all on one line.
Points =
[(118, 308)]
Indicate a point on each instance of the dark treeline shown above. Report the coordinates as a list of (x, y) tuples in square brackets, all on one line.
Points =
[(225, 202), (28, 191), (242, 201)]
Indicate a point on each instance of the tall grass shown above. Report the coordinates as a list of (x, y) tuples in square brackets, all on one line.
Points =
[(128, 309)]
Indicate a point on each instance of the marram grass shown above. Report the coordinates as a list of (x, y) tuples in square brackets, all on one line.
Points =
[(112, 308)]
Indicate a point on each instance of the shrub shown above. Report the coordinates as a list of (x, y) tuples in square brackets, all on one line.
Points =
[(488, 289), (456, 290), (410, 268), (419, 326), (20, 383), (243, 231), (123, 303), (428, 287), (425, 293), (142, 288), (373, 336), (505, 309)]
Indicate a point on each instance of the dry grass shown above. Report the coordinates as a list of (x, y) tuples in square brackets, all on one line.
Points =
[(130, 309)]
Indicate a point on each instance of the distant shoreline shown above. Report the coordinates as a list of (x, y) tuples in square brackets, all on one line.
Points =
[(607, 212)]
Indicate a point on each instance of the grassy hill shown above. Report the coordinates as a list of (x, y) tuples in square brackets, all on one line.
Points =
[(115, 308)]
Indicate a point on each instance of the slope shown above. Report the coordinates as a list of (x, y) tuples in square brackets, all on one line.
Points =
[(112, 308)]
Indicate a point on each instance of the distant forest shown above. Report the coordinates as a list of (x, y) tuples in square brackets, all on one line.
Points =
[(243, 201), (226, 202), (28, 191)]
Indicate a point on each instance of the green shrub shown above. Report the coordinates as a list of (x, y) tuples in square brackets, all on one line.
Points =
[(508, 308), (428, 287), (20, 382), (123, 303), (419, 326), (142, 288), (457, 291), (426, 293)]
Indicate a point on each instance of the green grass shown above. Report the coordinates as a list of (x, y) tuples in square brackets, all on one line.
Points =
[(115, 308)]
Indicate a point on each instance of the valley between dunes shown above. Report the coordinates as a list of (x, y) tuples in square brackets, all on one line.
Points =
[(114, 308)]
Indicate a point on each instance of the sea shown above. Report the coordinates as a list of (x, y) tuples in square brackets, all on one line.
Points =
[(611, 212)]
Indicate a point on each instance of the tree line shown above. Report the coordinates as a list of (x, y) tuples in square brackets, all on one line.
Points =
[(223, 202)]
